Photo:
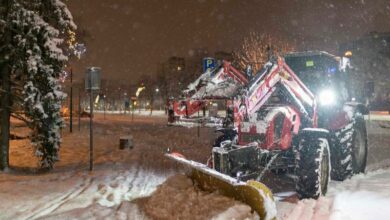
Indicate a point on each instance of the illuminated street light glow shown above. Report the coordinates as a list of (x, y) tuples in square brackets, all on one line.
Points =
[(139, 90)]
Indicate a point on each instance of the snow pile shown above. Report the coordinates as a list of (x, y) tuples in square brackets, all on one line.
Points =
[(127, 186), (177, 198)]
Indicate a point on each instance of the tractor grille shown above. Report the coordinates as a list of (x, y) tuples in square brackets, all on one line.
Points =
[(248, 138), (220, 160)]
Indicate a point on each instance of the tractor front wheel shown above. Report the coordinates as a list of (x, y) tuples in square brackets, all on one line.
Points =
[(313, 167)]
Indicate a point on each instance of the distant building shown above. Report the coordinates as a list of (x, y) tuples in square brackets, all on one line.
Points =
[(174, 71), (175, 64), (378, 42)]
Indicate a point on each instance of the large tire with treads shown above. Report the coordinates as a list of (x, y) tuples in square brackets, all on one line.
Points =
[(313, 166), (349, 150)]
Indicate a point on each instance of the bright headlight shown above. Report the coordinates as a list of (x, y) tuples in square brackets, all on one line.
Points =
[(327, 97)]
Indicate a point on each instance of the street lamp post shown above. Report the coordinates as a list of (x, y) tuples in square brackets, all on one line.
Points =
[(157, 91), (71, 102), (104, 107), (79, 115), (90, 124), (92, 83)]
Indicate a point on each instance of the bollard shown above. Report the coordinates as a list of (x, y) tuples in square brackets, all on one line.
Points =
[(126, 142)]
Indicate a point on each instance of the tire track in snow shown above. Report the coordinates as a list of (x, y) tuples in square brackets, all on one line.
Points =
[(74, 195), (309, 209), (129, 185), (57, 203), (143, 184)]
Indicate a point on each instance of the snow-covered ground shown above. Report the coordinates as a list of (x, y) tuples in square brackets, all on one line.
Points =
[(365, 196), (120, 177), (136, 112)]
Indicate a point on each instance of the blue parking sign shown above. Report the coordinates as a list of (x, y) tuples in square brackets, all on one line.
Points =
[(208, 63)]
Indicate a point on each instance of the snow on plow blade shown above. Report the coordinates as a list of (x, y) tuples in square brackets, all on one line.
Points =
[(252, 193)]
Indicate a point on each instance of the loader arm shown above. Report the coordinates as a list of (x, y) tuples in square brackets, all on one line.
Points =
[(229, 70), (206, 88), (261, 88), (210, 83)]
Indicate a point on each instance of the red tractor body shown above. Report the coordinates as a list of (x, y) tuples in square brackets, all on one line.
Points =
[(275, 131), (279, 125)]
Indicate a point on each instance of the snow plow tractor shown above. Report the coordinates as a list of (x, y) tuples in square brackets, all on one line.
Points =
[(219, 84), (294, 116)]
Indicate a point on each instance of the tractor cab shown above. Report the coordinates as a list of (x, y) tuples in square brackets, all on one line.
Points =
[(321, 72)]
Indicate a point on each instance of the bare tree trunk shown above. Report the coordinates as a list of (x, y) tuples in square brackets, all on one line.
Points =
[(5, 97), (5, 117)]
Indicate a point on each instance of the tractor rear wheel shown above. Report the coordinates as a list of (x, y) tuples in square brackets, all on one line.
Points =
[(349, 150), (313, 167), (359, 146)]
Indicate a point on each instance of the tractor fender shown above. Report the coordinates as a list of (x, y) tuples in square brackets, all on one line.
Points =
[(358, 108), (346, 115), (227, 131), (315, 133)]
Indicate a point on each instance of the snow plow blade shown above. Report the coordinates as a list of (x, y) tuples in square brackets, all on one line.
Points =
[(253, 193)]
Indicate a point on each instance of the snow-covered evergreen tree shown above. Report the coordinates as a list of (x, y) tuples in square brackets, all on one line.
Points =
[(38, 33)]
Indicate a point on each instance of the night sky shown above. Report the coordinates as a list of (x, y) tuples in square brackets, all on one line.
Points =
[(129, 38)]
